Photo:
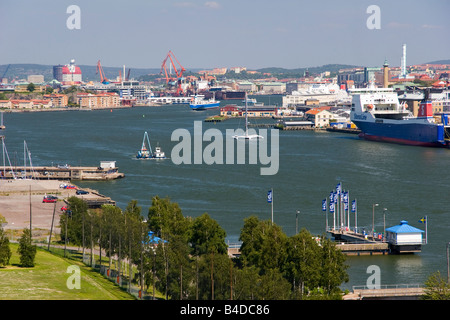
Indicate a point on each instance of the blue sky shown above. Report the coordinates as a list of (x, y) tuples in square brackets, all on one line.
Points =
[(224, 33)]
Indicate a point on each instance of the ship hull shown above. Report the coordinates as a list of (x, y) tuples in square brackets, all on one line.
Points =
[(204, 106), (414, 134)]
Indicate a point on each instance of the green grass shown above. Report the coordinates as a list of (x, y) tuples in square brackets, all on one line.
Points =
[(47, 280)]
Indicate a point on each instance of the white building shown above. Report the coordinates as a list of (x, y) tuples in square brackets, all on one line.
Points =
[(404, 238)]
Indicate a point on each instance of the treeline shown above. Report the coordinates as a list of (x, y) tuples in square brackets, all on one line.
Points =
[(189, 260)]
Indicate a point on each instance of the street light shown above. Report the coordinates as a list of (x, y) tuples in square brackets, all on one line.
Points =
[(384, 222), (373, 219), (296, 221)]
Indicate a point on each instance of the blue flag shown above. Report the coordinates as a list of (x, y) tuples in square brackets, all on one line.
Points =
[(354, 205), (331, 206), (338, 188), (423, 220), (269, 196), (324, 204)]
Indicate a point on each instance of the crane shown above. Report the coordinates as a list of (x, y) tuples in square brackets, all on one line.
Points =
[(179, 72), (103, 79), (4, 73)]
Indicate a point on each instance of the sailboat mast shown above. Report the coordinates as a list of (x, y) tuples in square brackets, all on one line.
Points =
[(246, 119)]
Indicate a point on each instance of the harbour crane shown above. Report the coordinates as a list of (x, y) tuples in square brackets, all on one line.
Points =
[(4, 73), (179, 72), (103, 79)]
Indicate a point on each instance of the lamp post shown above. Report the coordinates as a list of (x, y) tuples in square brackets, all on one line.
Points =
[(384, 224), (296, 221), (373, 218)]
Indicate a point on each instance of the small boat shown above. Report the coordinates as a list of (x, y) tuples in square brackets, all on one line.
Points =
[(146, 151)]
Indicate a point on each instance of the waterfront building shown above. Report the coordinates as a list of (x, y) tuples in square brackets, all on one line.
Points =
[(404, 238), (100, 100), (320, 116), (260, 111), (69, 74), (5, 104), (58, 100)]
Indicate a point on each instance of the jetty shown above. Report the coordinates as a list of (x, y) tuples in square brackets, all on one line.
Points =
[(106, 171)]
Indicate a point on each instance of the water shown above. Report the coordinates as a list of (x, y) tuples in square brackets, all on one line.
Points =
[(409, 181)]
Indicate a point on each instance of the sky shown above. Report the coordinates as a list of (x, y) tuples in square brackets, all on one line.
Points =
[(224, 33)]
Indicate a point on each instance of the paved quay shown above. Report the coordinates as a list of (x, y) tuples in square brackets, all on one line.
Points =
[(16, 196)]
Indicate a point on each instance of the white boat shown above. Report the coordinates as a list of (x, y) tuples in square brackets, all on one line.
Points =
[(146, 150), (198, 102), (246, 135)]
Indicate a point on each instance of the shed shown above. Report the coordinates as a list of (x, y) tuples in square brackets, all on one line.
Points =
[(404, 238)]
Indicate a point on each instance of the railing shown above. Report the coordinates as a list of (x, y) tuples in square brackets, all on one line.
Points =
[(388, 286)]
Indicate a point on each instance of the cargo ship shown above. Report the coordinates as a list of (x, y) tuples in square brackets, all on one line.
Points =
[(198, 102), (380, 117)]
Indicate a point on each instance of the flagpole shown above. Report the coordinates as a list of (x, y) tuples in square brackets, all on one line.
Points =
[(426, 230), (272, 203)]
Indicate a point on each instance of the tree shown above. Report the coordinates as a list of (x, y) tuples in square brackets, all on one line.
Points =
[(436, 288), (26, 250), (31, 87), (304, 263), (5, 251)]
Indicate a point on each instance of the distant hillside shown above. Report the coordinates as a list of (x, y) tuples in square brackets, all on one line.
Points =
[(21, 71), (439, 62), (312, 70)]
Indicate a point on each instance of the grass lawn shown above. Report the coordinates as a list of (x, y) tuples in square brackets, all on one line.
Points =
[(48, 279)]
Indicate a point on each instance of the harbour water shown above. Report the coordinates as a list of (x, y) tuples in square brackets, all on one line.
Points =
[(410, 182)]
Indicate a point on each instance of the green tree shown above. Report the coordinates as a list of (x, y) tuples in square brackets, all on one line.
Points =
[(436, 288), (31, 87), (333, 268), (304, 263), (5, 251), (26, 250)]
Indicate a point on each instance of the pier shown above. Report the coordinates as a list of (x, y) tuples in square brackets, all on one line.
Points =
[(352, 243), (60, 173), (386, 292)]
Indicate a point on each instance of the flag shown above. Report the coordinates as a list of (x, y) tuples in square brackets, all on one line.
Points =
[(423, 220), (346, 197), (338, 188), (331, 206), (269, 196), (354, 205), (324, 204)]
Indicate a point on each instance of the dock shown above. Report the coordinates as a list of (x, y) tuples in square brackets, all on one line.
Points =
[(60, 173), (352, 243)]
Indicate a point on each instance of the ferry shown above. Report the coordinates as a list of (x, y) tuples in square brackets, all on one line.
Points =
[(198, 102), (380, 117)]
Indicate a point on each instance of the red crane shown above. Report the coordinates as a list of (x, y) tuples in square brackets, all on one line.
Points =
[(103, 79), (179, 72)]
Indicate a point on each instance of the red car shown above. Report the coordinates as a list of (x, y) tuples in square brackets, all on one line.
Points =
[(70, 187), (50, 199)]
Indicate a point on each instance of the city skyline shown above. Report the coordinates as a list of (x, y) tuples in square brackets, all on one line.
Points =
[(208, 34)]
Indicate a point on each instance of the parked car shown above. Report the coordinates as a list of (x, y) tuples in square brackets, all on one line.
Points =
[(49, 198), (70, 187), (82, 192)]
